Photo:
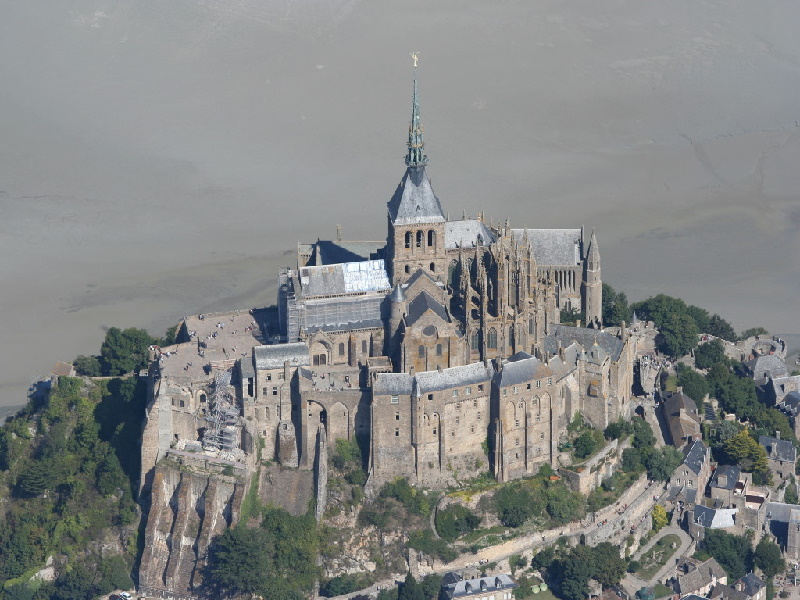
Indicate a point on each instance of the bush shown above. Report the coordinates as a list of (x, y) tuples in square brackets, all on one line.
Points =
[(514, 505), (454, 521)]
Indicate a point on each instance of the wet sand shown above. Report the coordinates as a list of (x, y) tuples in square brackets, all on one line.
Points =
[(164, 159)]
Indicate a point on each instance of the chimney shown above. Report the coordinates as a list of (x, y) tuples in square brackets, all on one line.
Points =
[(777, 434)]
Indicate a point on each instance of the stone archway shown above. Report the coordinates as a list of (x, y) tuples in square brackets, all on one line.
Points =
[(338, 417)]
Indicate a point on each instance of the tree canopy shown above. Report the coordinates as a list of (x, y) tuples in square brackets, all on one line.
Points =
[(733, 552)]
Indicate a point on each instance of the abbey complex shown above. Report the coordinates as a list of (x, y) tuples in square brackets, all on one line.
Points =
[(439, 349)]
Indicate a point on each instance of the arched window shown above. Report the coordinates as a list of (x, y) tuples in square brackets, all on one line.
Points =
[(420, 239), (421, 351), (408, 239), (491, 338), (451, 273), (438, 349), (474, 340), (433, 267), (431, 237), (341, 349), (511, 336)]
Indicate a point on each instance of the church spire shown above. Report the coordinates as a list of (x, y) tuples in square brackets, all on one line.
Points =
[(416, 145)]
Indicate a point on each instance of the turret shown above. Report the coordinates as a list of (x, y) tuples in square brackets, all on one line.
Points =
[(397, 310), (592, 285)]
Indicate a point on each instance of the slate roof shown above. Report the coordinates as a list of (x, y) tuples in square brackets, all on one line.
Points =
[(781, 512), (478, 587), (701, 576), (420, 273), (467, 234), (393, 383), (414, 201), (522, 370), (553, 247), (434, 381), (783, 386), (696, 456), (725, 592), (714, 518), (246, 369), (421, 304), (344, 278), (431, 381), (273, 357), (777, 449), (791, 403), (681, 427), (726, 477), (751, 584), (684, 493), (769, 363), (610, 344)]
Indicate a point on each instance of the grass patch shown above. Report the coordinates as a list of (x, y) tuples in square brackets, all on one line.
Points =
[(655, 558), (662, 591), (671, 384)]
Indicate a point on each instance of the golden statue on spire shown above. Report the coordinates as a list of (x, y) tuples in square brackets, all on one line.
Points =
[(415, 56)]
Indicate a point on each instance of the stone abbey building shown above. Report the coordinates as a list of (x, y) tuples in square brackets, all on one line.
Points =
[(440, 348)]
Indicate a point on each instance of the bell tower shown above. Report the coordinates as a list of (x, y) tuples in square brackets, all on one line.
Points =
[(415, 218)]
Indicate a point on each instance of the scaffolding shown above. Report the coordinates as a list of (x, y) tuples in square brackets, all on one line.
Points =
[(222, 432)]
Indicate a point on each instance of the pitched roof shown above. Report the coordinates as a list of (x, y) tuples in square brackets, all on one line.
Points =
[(521, 370), (586, 337), (469, 587), (782, 512), (421, 304), (696, 456), (467, 234), (414, 201), (553, 247), (767, 364), (725, 592), (342, 313), (682, 425), (714, 518), (726, 477), (274, 356), (393, 383), (431, 381), (778, 449), (750, 584), (701, 576), (791, 403)]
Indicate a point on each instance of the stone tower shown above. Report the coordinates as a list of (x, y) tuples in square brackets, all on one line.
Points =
[(397, 310), (416, 221), (592, 285)]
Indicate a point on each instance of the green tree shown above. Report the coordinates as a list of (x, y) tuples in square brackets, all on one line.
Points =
[(660, 464), (126, 350), (615, 307), (410, 589), (708, 354), (431, 585), (240, 560), (678, 335), (659, 518), (631, 460), (752, 332), (733, 552), (768, 558), (454, 521), (585, 445), (693, 383), (514, 505), (88, 365), (608, 567), (642, 434), (719, 327), (790, 495)]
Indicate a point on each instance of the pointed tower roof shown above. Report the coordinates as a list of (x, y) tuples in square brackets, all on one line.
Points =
[(414, 200), (593, 252), (397, 295)]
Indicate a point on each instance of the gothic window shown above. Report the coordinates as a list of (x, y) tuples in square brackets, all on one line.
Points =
[(433, 267), (438, 349), (511, 336), (530, 326), (341, 349), (491, 339), (474, 339), (431, 237), (421, 351), (408, 239), (420, 239), (363, 346), (451, 273)]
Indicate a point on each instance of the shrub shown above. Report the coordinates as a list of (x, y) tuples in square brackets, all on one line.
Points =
[(455, 520)]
